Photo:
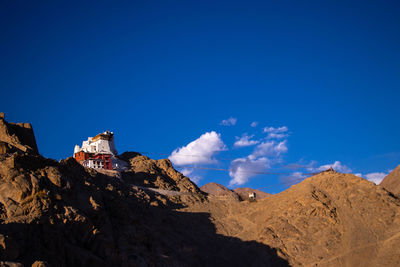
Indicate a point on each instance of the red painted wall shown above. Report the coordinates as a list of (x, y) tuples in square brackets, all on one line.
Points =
[(81, 156)]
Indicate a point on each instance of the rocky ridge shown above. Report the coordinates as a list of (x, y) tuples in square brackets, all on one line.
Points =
[(330, 219)]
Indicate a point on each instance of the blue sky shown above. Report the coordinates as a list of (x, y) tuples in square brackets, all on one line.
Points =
[(161, 74)]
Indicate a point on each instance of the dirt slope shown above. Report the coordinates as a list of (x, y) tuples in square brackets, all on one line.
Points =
[(392, 181)]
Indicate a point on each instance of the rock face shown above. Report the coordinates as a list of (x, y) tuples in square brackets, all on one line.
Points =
[(215, 189), (16, 137), (245, 191), (392, 181), (147, 172), (66, 215)]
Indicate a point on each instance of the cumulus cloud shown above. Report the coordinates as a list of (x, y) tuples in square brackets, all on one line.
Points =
[(243, 168), (228, 122), (199, 151), (263, 156), (254, 124), (245, 140), (376, 177)]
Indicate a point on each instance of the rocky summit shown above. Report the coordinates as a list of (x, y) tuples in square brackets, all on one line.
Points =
[(63, 214)]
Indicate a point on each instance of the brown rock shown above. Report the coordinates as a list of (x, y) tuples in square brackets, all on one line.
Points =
[(40, 264), (18, 135), (54, 175), (392, 181), (326, 220), (157, 174)]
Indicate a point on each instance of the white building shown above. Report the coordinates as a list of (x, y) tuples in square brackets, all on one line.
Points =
[(94, 163), (102, 143)]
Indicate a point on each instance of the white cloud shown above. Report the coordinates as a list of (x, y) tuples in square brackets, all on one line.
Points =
[(376, 177), (243, 168), (245, 140), (282, 129), (263, 156), (276, 135), (228, 122), (254, 124), (270, 148), (188, 172), (199, 151)]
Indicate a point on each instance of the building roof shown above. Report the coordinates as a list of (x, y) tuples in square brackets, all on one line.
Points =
[(104, 136)]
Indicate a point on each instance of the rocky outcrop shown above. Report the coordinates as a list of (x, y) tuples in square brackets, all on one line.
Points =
[(392, 181), (16, 137), (147, 172)]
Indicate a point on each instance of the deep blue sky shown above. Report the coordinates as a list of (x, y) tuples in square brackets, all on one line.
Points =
[(162, 73)]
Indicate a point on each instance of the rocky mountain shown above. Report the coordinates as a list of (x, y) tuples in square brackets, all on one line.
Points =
[(62, 214), (392, 181), (330, 219)]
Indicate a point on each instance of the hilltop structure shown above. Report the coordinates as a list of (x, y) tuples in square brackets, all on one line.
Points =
[(97, 152)]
